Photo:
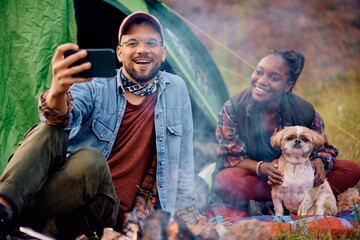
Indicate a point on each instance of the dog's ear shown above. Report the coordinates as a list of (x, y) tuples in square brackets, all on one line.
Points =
[(318, 140), (275, 139)]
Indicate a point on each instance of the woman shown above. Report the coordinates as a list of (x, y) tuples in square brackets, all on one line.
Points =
[(248, 120)]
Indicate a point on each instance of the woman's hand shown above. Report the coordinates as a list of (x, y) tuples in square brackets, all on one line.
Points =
[(272, 172), (319, 171)]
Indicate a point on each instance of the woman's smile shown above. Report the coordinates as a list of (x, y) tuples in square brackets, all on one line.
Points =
[(269, 81)]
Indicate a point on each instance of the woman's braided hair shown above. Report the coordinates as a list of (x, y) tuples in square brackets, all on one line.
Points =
[(293, 60)]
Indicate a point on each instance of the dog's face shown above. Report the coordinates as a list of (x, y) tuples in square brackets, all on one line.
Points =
[(297, 141)]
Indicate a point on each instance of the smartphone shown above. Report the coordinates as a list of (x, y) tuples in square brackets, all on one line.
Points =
[(102, 62)]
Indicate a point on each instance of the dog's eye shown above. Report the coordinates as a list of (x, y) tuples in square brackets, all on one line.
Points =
[(304, 139), (289, 138)]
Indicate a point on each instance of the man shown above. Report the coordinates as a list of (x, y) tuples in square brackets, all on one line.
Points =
[(105, 140)]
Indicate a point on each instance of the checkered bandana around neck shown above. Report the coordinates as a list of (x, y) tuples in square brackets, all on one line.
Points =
[(138, 89)]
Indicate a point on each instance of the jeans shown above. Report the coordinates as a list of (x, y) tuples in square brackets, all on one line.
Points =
[(59, 196)]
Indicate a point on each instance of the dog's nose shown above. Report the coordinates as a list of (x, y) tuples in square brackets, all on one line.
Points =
[(297, 143)]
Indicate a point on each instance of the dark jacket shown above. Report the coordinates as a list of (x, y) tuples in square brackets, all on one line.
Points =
[(294, 110)]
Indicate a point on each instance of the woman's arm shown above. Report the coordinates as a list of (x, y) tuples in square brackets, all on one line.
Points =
[(324, 158), (230, 147), (233, 149), (328, 153)]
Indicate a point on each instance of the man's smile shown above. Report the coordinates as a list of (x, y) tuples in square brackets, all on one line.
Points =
[(143, 60)]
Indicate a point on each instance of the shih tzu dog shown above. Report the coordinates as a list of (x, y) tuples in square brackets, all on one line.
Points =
[(297, 193)]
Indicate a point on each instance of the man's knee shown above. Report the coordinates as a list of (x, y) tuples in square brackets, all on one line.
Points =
[(45, 130), (90, 158), (41, 141), (95, 171), (89, 163), (42, 136)]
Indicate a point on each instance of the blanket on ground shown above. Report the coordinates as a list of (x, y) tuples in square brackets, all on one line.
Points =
[(345, 224)]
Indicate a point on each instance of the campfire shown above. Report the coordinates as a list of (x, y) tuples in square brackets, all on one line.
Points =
[(161, 226)]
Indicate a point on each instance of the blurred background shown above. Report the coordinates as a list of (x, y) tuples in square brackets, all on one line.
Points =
[(239, 33)]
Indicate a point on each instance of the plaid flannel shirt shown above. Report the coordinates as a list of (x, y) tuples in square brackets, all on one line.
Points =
[(147, 200), (50, 115), (234, 149)]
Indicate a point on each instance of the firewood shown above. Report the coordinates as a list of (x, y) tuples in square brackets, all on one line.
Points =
[(248, 229)]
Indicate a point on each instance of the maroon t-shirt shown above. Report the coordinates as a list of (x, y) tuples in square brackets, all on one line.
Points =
[(133, 151)]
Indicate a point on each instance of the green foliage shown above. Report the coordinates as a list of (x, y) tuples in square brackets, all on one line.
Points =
[(301, 231), (338, 103)]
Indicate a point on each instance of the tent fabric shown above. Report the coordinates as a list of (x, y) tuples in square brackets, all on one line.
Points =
[(30, 31)]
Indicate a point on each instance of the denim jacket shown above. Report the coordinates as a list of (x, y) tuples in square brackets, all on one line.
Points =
[(96, 117)]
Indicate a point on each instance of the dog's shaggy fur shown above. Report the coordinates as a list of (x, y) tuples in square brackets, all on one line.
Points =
[(297, 193), (347, 199)]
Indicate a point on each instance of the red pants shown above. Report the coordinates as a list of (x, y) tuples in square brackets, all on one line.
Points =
[(237, 184)]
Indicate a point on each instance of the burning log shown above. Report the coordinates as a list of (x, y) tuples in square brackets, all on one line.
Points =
[(204, 230), (160, 226), (248, 229), (110, 234), (242, 230)]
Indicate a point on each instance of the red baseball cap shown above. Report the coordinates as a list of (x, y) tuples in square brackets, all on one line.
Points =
[(137, 15)]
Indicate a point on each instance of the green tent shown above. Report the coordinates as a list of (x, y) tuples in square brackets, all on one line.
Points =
[(31, 30)]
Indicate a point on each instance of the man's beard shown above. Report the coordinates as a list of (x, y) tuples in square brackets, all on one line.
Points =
[(142, 79)]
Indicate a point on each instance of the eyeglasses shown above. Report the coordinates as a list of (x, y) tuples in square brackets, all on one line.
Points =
[(134, 43)]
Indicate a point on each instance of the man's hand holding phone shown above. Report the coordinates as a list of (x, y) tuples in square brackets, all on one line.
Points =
[(71, 65), (62, 75)]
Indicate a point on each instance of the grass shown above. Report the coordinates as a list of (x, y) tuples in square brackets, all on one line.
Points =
[(338, 103), (301, 231)]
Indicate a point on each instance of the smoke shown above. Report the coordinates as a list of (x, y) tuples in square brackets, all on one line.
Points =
[(326, 32)]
